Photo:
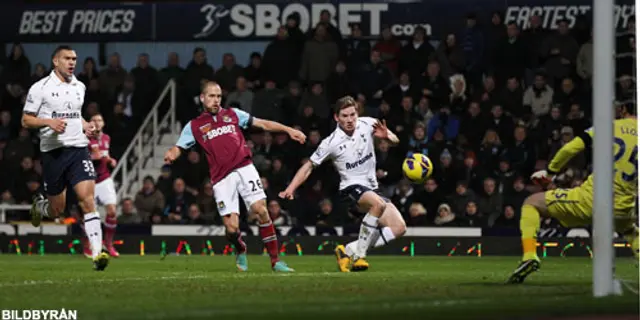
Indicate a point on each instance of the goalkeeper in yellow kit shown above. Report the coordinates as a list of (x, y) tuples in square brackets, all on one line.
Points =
[(574, 207)]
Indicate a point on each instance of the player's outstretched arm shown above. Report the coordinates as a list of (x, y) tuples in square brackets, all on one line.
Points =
[(567, 152), (185, 141), (301, 176), (273, 126)]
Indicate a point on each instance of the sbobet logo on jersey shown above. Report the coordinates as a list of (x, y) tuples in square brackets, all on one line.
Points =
[(212, 133), (355, 164)]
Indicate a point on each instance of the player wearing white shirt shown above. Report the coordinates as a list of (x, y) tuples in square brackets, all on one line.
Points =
[(351, 149), (54, 106)]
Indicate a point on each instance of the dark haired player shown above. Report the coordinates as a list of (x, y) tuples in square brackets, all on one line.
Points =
[(219, 132), (574, 207), (54, 106), (105, 194), (352, 151)]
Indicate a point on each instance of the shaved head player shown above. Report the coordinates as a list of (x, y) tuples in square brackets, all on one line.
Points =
[(219, 132), (54, 106)]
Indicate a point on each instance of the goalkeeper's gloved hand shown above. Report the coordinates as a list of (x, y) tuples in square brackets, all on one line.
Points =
[(542, 178)]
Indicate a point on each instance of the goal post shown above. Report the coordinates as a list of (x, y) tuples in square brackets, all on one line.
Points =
[(603, 116)]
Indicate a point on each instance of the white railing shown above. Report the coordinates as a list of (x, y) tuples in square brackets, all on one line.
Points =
[(11, 207), (142, 145)]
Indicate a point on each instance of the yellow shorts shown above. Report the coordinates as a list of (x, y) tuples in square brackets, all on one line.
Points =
[(574, 208)]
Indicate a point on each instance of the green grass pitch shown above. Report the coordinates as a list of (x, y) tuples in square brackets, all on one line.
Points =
[(396, 287)]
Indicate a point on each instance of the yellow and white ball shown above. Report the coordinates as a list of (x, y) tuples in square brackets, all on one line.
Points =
[(417, 168)]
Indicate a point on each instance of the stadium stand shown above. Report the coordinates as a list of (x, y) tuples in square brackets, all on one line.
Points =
[(489, 105)]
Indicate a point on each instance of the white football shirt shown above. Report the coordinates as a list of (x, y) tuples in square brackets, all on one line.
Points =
[(52, 98), (353, 156)]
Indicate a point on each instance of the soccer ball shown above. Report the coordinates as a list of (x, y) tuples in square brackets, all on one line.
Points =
[(417, 168)]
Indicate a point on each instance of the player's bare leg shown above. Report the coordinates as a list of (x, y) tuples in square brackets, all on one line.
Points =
[(268, 235), (392, 226), (232, 230), (110, 225), (375, 206), (51, 206), (533, 208), (92, 223)]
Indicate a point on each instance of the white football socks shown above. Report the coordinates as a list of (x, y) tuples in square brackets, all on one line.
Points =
[(93, 229), (367, 229), (379, 239), (384, 236)]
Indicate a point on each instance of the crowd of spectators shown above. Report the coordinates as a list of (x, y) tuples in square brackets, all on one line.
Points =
[(489, 104)]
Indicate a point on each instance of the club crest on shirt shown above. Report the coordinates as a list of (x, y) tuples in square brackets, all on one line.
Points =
[(226, 118), (206, 128), (221, 205)]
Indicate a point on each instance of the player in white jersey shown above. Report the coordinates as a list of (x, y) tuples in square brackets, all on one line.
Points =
[(54, 106), (351, 148)]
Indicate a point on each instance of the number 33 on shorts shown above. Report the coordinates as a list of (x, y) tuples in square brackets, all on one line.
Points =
[(88, 167)]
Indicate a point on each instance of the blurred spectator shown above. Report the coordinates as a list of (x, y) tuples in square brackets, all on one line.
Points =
[(389, 48), (278, 216), (507, 56), (339, 83), (358, 49), (128, 214), (450, 56), (415, 55), (178, 203), (584, 62), (146, 78), (113, 76), (17, 68), (508, 218), (490, 201), (403, 197), (194, 215), (254, 73), (149, 202), (445, 217), (208, 207), (227, 75), (461, 197), (539, 96), (374, 79), (327, 219), (417, 215), (559, 52), (319, 57), (172, 70), (241, 97), (281, 58), (267, 102)]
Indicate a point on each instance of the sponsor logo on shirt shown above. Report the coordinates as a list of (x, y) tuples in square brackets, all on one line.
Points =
[(355, 164), (65, 115), (228, 129)]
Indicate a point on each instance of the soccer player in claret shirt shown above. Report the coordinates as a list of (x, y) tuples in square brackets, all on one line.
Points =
[(574, 207), (219, 132), (105, 194)]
